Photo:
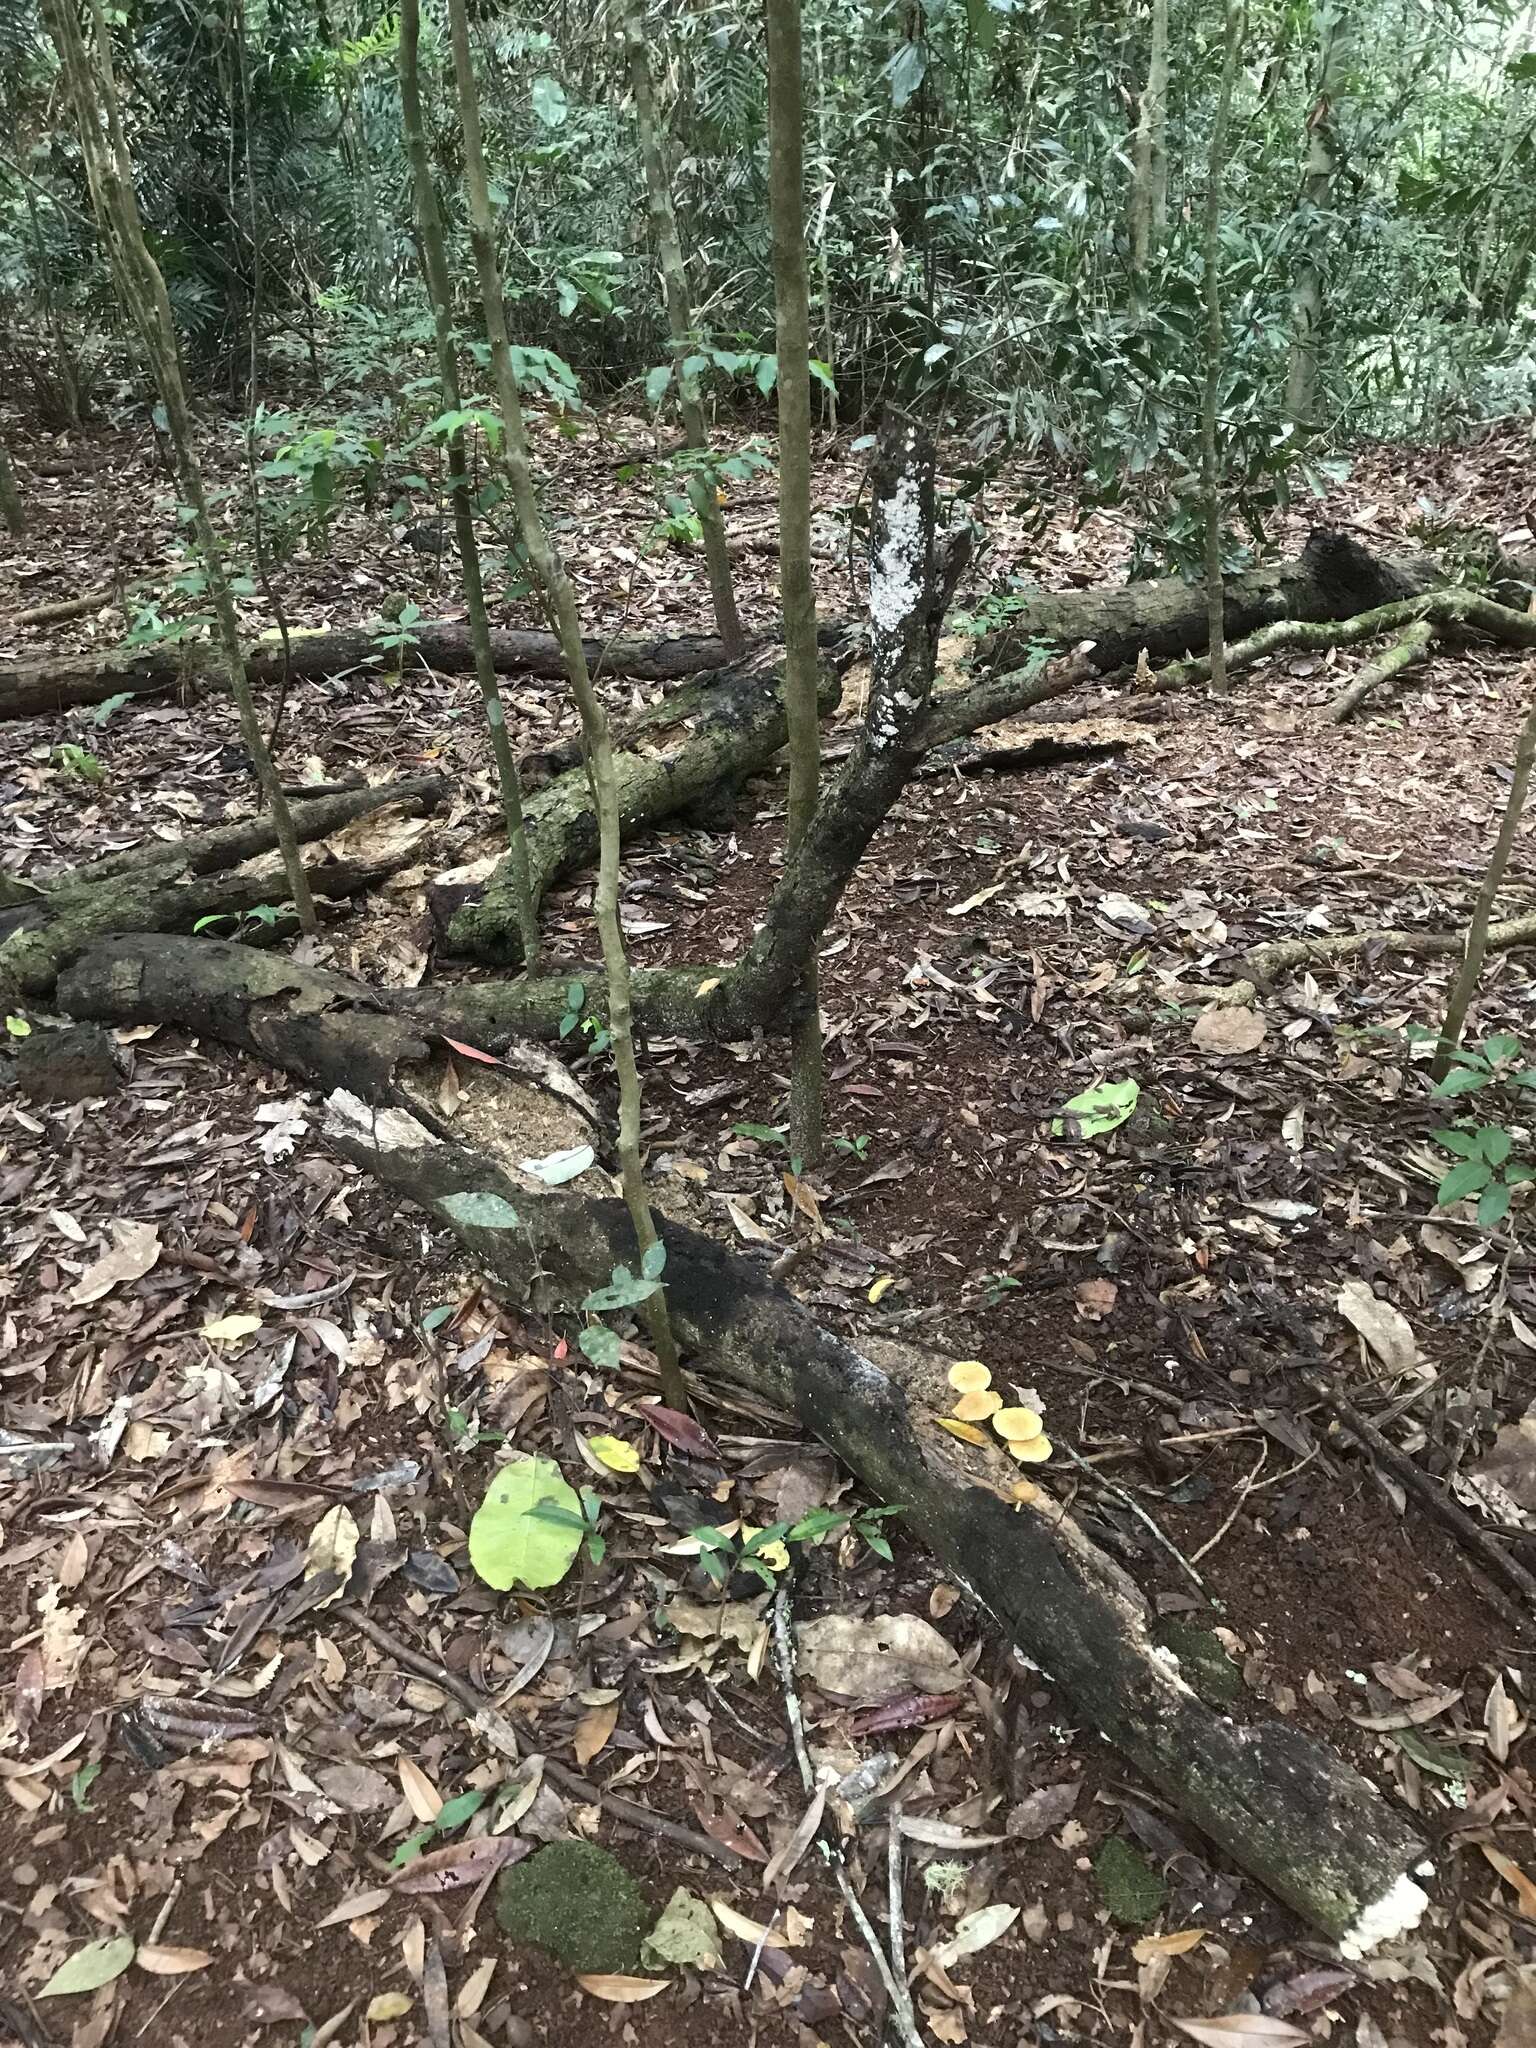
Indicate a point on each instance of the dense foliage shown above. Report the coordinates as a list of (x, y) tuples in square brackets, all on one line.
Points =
[(970, 165)]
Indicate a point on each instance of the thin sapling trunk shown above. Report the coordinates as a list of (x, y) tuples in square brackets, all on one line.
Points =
[(12, 510), (674, 281), (1302, 367), (1210, 458), (434, 264), (1149, 155), (786, 201), (560, 599), (92, 89)]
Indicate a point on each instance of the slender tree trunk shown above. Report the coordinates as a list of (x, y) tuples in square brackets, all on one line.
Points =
[(560, 597), (674, 280), (1210, 462), (1302, 368), (93, 91), (1482, 911), (786, 200), (12, 510), (434, 263), (823, 267), (1149, 155)]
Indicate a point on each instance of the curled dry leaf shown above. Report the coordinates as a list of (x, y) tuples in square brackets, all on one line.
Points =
[(874, 1659), (421, 1795), (1229, 1031), (974, 1931), (389, 2005), (459, 1864), (161, 1961), (1177, 1944), (333, 1548), (751, 1931), (1386, 1331), (1514, 1877), (624, 1990), (1242, 2030), (135, 1247)]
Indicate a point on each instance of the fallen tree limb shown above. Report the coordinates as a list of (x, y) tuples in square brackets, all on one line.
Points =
[(1286, 1809), (703, 743), (1403, 653), (43, 685), (171, 887), (1265, 962)]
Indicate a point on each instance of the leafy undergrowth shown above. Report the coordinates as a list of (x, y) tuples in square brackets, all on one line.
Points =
[(262, 1405)]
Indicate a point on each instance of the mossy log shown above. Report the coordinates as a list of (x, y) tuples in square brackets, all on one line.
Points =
[(1284, 1807), (170, 886)]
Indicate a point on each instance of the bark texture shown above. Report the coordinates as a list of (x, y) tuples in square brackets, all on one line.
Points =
[(1285, 1808)]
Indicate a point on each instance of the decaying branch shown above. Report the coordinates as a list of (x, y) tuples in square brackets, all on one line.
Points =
[(1283, 1807)]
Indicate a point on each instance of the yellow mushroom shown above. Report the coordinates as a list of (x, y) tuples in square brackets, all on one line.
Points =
[(1032, 1450), (969, 1376), (1023, 1491), (977, 1407), (1018, 1425)]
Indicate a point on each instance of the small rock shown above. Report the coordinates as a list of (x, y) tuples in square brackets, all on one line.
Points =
[(72, 1063)]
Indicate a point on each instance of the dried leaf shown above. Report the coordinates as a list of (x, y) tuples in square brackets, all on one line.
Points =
[(356, 1906), (1383, 1327), (624, 1990), (134, 1250), (389, 2005), (421, 1795), (592, 1732), (333, 1548), (751, 1931), (231, 1329), (1514, 1877), (1228, 1031), (1178, 1944), (967, 1432), (461, 1863), (1242, 2030), (974, 1931), (873, 1659), (161, 1961)]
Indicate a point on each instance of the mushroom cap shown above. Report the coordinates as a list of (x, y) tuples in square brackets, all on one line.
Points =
[(969, 1376), (1032, 1450), (978, 1406), (1018, 1425)]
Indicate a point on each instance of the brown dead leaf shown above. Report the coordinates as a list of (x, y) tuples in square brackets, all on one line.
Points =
[(1242, 2030), (592, 1732), (161, 1961), (624, 1990), (134, 1249), (873, 1659), (1514, 1877), (1227, 1031), (1517, 2028), (1386, 1331), (421, 1795), (1177, 1944)]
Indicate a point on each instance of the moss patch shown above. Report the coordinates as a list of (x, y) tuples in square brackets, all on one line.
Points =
[(1132, 1890), (578, 1902), (1204, 1664)]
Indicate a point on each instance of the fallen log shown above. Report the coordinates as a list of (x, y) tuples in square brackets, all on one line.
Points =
[(703, 742), (1281, 955), (171, 888), (1402, 654), (1285, 1808), (41, 686)]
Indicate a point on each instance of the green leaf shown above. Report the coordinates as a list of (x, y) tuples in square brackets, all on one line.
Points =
[(624, 1291), (765, 1134), (1462, 1081), (1100, 1108), (685, 1937), (601, 1345), (1501, 1046), (547, 98), (1493, 1206), (823, 375), (17, 1026), (1429, 1756), (653, 1262), (98, 1963), (1462, 1143), (766, 374), (575, 994), (1496, 1144), (1466, 1179), (904, 72), (81, 1783), (480, 1210), (656, 382), (1132, 1890), (819, 1522), (511, 1546), (456, 1811)]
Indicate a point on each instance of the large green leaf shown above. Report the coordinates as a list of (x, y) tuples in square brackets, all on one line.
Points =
[(90, 1967), (509, 1543), (1096, 1109), (547, 98)]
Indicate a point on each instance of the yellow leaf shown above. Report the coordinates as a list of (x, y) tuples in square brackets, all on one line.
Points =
[(1178, 1944), (613, 1452), (882, 1286), (332, 1548), (230, 1329), (752, 1931), (389, 2005), (705, 987), (593, 1731), (1514, 1877), (774, 1555), (161, 1961), (421, 1795), (624, 1990), (967, 1432)]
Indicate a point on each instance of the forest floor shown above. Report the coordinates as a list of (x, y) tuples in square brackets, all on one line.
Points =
[(194, 1753)]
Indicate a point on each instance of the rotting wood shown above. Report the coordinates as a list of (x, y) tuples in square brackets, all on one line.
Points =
[(1286, 1809), (1402, 654)]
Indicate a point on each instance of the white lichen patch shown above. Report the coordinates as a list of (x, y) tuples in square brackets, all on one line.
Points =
[(387, 1129), (1399, 1908), (895, 581)]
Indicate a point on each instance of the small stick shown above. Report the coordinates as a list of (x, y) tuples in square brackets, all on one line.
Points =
[(502, 1736), (896, 1931), (1415, 1480), (1237, 1506), (894, 1981), (1136, 1508)]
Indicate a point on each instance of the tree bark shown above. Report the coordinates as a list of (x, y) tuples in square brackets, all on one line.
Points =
[(1303, 363), (1283, 1806), (674, 282), (12, 511), (1149, 156), (1215, 348), (43, 685), (439, 283), (1403, 653), (792, 320)]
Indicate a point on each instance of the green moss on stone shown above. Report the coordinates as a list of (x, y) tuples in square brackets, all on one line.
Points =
[(1132, 1890), (1203, 1663), (578, 1902)]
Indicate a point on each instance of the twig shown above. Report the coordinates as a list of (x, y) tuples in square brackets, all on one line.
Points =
[(896, 1991), (1415, 1480), (1136, 1508), (896, 1930), (502, 1736), (1237, 1506)]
